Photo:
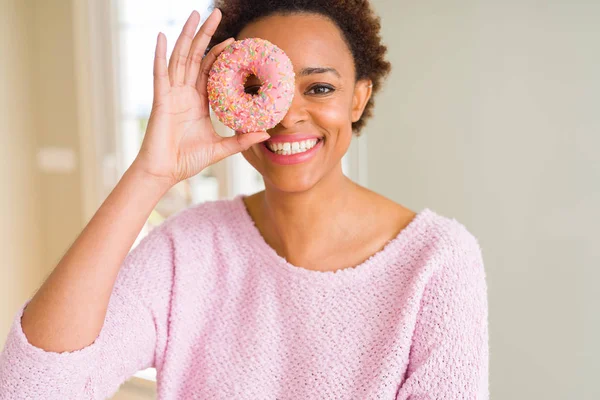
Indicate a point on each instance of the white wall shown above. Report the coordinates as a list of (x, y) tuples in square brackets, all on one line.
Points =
[(20, 207), (492, 116)]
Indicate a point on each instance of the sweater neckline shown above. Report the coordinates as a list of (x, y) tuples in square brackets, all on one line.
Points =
[(396, 251)]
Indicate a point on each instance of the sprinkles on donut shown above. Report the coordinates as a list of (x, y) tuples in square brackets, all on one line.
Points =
[(243, 111)]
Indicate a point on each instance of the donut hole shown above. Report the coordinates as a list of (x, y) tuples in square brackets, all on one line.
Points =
[(252, 84)]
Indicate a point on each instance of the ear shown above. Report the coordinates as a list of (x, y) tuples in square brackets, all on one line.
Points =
[(362, 94)]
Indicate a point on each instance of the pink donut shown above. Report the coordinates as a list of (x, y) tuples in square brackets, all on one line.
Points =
[(243, 111)]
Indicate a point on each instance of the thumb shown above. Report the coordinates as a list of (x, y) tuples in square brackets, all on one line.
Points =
[(239, 142)]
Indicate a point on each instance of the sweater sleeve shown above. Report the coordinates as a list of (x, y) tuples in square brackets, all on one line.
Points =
[(449, 355), (133, 332)]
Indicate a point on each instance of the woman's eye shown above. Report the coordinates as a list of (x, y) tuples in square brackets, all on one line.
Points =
[(321, 89), (317, 89)]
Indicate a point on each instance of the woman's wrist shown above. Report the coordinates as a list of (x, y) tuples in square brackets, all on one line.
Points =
[(155, 184)]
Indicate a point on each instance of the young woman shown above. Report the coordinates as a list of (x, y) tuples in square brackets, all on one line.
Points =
[(315, 288)]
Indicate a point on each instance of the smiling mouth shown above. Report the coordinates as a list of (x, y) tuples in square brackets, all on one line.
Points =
[(291, 152)]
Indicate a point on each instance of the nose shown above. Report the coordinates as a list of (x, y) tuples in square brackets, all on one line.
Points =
[(297, 113)]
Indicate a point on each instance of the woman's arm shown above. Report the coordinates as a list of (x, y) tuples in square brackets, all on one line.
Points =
[(68, 310), (449, 356)]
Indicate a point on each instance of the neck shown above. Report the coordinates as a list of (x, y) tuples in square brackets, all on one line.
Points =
[(304, 225)]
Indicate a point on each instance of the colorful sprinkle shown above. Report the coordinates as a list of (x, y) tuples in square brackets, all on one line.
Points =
[(242, 111)]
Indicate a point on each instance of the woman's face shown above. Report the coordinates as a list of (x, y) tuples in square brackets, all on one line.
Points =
[(326, 101)]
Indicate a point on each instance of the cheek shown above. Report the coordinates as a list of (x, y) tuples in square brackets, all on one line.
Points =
[(336, 118), (332, 114)]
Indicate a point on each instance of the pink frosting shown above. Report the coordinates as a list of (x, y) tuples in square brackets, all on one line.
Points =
[(242, 111)]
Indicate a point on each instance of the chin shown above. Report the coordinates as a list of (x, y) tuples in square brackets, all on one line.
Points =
[(287, 184), (290, 181)]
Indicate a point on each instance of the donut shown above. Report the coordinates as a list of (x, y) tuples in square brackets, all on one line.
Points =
[(246, 112)]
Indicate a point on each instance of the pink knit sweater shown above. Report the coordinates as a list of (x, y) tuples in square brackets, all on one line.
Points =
[(205, 300)]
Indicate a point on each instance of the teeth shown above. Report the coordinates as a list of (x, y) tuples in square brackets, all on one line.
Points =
[(293, 147)]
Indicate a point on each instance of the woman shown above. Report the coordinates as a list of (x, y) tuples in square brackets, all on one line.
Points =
[(315, 288)]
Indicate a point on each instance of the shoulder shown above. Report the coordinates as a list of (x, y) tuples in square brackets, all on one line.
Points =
[(444, 232), (446, 236), (459, 255), (201, 224), (453, 235), (205, 215), (184, 228)]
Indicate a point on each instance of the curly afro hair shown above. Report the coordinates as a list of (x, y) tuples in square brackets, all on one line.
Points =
[(357, 21)]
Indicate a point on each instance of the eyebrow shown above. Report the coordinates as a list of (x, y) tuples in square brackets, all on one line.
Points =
[(318, 70)]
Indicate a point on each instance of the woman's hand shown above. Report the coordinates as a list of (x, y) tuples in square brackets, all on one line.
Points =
[(180, 140)]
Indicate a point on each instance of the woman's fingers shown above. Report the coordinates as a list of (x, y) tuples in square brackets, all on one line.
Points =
[(230, 145), (207, 62), (179, 56), (162, 85), (207, 30)]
